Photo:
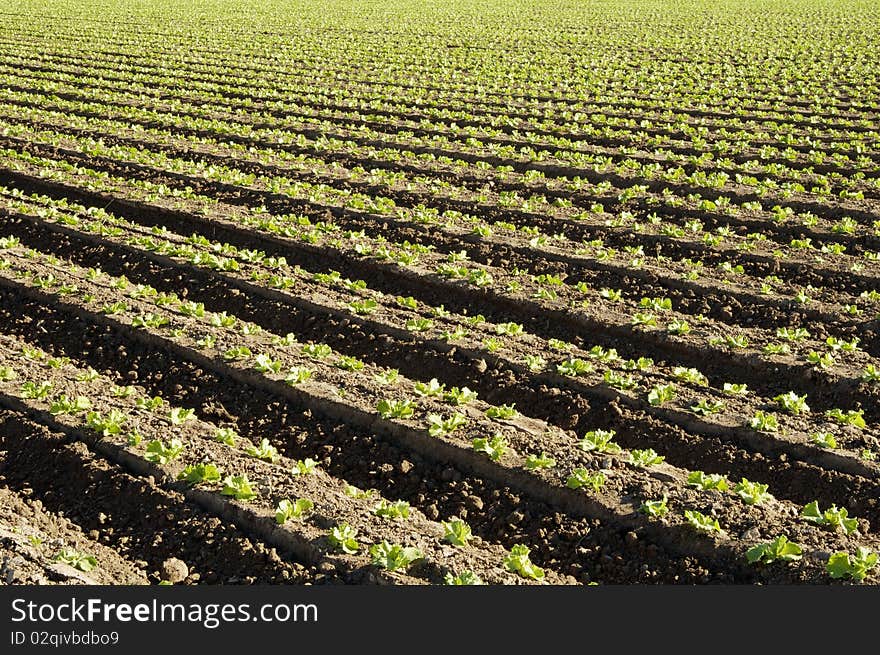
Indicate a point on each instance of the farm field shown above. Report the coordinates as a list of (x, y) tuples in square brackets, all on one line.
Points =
[(467, 292)]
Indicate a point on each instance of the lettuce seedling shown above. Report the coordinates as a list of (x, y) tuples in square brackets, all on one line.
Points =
[(691, 375), (342, 537), (237, 352), (7, 374), (306, 466), (298, 375), (854, 567), (732, 389), (463, 578), (438, 426), (123, 392), (226, 436), (77, 560), (456, 532), (701, 522), (347, 363), (456, 396), (620, 381), (265, 451), (198, 473), (661, 394), (358, 494), (854, 417), (159, 452), (542, 461), (239, 487), (286, 510), (599, 441), (36, 391), (396, 510), (106, 425), (495, 447), (364, 307), (395, 408), (764, 422), (503, 412), (535, 363), (707, 482), (793, 403), (518, 561), (581, 477), (393, 556), (655, 508), (429, 389), (265, 364), (574, 366), (65, 405), (387, 377), (645, 458), (834, 517), (705, 407), (509, 329), (752, 493), (824, 439), (317, 350), (149, 404), (179, 415), (779, 549)]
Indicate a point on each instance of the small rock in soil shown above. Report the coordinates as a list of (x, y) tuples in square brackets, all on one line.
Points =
[(174, 570)]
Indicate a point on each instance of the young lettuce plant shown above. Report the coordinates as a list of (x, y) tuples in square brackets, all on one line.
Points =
[(343, 537), (65, 405), (265, 451), (792, 403), (600, 441), (661, 394), (456, 532), (780, 549), (854, 417), (456, 396), (179, 415), (77, 560), (706, 406), (495, 447), (395, 510), (833, 517), (297, 375), (440, 427), (645, 458), (581, 477), (707, 482), (655, 508), (287, 509), (463, 578), (701, 522), (752, 493), (393, 556), (395, 408), (854, 567), (306, 466), (764, 422), (198, 473), (518, 561), (542, 461), (226, 436), (238, 487), (161, 453), (430, 388), (502, 412)]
